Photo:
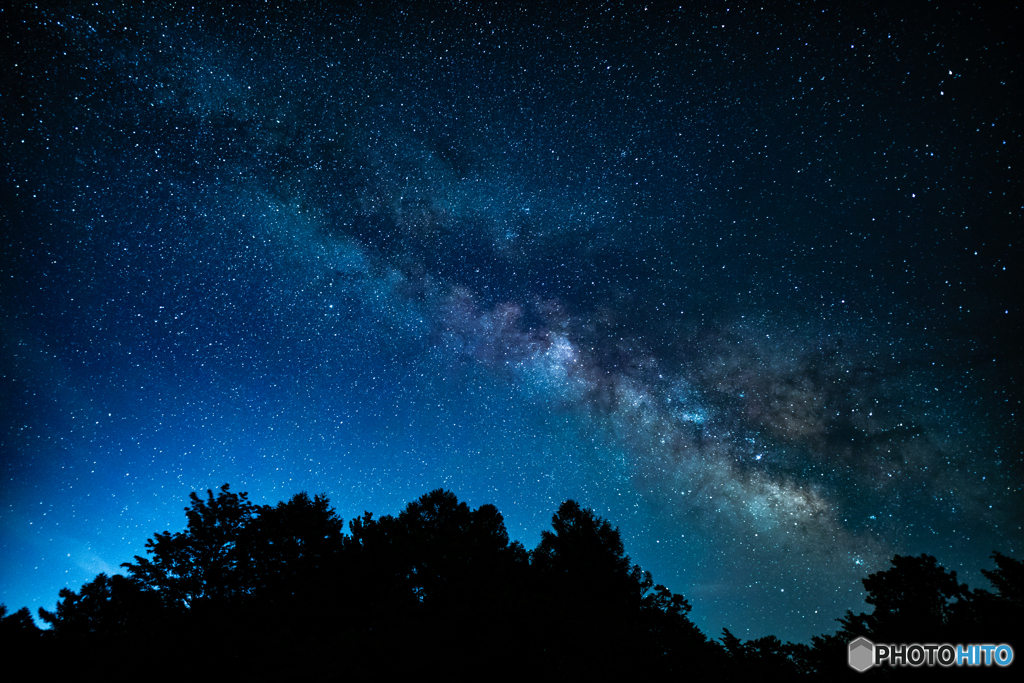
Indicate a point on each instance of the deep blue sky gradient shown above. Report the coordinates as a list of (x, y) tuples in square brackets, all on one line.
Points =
[(742, 279)]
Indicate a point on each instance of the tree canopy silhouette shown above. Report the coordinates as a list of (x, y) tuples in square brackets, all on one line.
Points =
[(1007, 578), (273, 591), (289, 551), (916, 596), (606, 608), (17, 626), (202, 563)]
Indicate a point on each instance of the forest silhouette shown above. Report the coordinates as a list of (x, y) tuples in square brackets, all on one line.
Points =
[(270, 592)]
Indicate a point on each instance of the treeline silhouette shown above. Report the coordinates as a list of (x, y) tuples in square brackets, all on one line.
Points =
[(273, 592)]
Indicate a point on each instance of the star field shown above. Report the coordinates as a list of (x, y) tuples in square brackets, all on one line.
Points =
[(741, 279)]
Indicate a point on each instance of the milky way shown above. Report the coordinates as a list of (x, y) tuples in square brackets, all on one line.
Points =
[(741, 280)]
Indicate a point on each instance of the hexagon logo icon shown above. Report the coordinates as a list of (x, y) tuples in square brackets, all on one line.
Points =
[(861, 654)]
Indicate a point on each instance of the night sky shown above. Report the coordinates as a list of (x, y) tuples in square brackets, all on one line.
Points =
[(740, 279)]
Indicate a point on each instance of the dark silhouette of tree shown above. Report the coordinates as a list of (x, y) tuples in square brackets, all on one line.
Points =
[(459, 566), (280, 591), (827, 656), (915, 598), (451, 550), (1007, 578), (290, 558), (199, 564), (288, 550), (600, 614), (378, 563), (17, 626), (21, 640), (433, 575), (995, 617), (669, 637), (584, 553), (766, 657), (436, 549), (105, 606)]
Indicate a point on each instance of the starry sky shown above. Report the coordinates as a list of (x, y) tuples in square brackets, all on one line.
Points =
[(740, 278)]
